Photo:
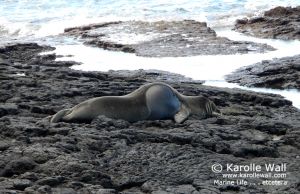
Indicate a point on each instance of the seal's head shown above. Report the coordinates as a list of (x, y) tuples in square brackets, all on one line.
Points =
[(202, 107)]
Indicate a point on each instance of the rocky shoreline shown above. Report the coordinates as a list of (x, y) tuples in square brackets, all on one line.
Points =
[(114, 156), (279, 23), (162, 39), (283, 73)]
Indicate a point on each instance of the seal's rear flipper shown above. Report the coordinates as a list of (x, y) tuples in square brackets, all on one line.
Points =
[(59, 115), (182, 114)]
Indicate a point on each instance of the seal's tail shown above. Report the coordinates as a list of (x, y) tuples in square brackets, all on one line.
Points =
[(59, 115)]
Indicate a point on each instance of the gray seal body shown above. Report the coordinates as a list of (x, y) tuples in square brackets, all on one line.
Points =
[(154, 101)]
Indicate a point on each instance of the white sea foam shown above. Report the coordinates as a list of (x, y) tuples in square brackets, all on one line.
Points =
[(207, 67), (36, 20), (25, 19), (292, 94), (21, 74)]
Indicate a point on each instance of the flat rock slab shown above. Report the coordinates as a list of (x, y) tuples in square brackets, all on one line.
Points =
[(162, 39), (283, 73), (279, 23), (115, 156)]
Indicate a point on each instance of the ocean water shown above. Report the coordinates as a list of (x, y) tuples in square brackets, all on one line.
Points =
[(41, 20)]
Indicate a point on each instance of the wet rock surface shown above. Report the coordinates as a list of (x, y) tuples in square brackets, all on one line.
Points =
[(279, 23), (162, 39), (114, 156), (283, 73)]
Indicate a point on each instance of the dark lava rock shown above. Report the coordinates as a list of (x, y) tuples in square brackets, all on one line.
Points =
[(51, 181), (102, 122), (4, 145), (154, 76), (23, 52), (7, 108), (21, 184), (250, 150), (18, 166), (114, 156), (279, 23), (162, 39), (283, 73)]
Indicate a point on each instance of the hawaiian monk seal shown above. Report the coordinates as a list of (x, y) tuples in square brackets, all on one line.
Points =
[(154, 101)]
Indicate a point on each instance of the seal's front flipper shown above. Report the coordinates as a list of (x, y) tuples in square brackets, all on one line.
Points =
[(182, 114), (59, 115)]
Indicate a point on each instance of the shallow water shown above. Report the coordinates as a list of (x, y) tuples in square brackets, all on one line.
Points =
[(292, 95), (211, 68), (40, 21), (205, 67)]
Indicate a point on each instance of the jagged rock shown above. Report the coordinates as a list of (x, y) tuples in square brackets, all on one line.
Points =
[(162, 39), (283, 73), (51, 181), (279, 23), (21, 184), (18, 166), (110, 155)]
